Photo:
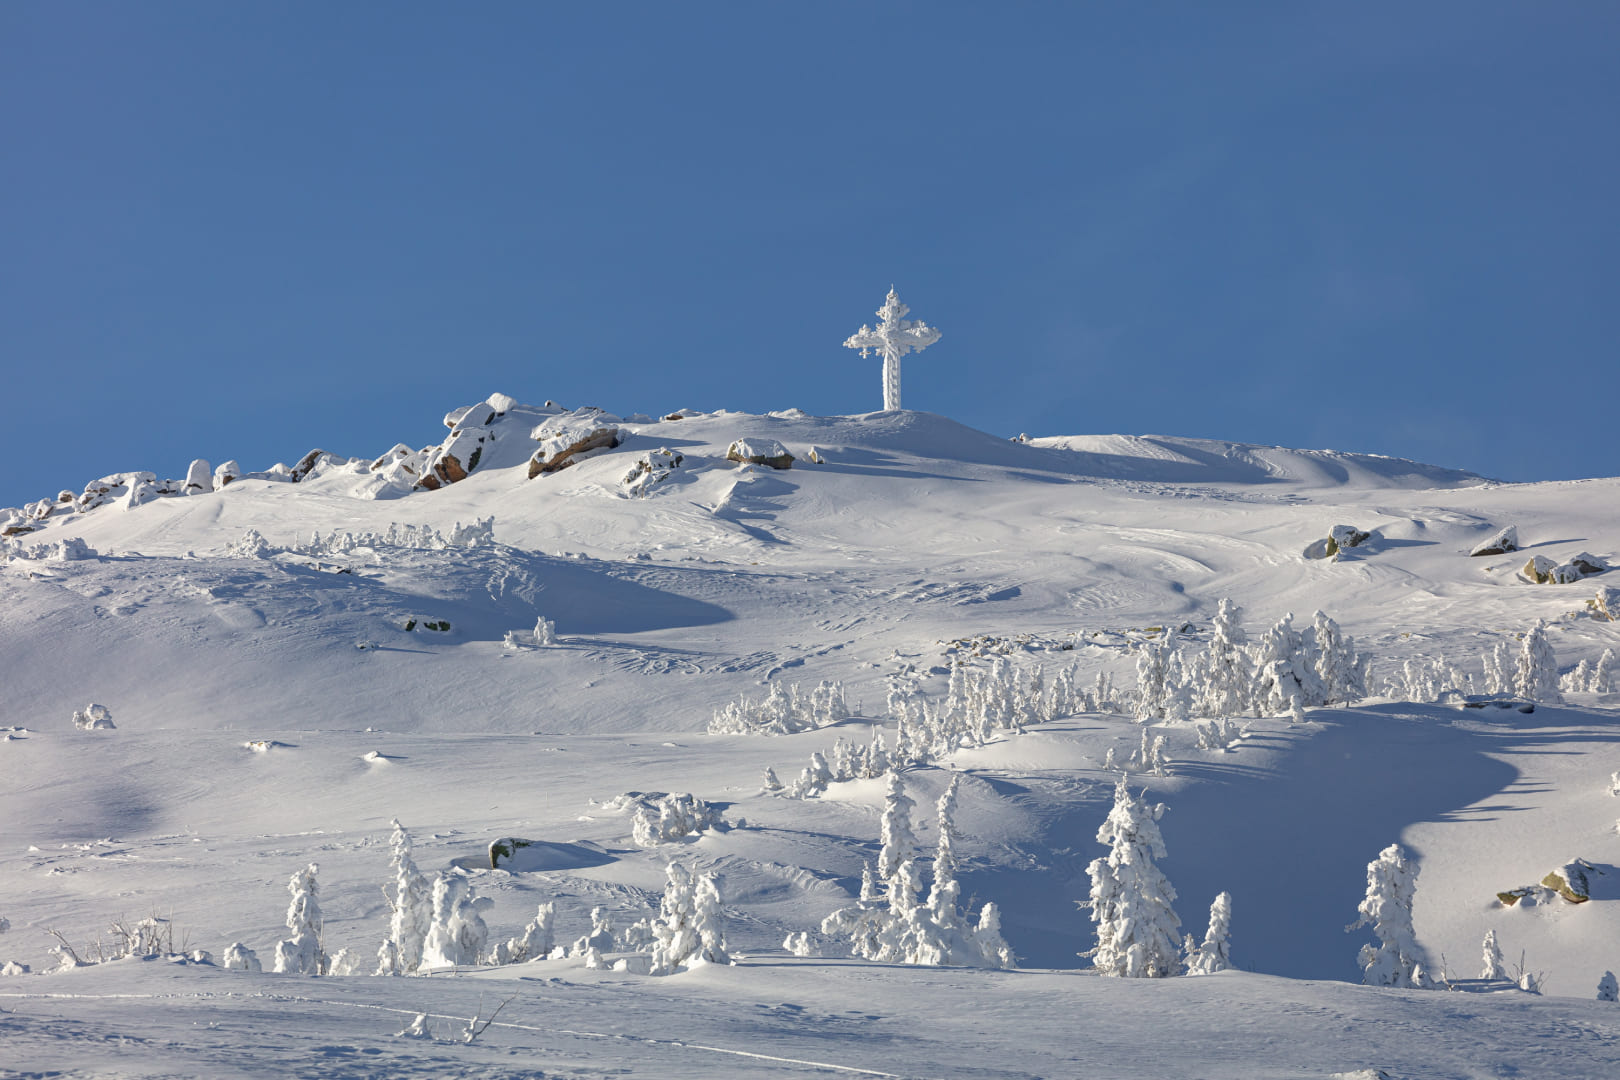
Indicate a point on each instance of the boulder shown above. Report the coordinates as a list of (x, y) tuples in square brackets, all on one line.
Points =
[(563, 438), (1539, 570), (760, 452), (502, 850), (1586, 564), (1501, 543), (199, 478), (1570, 881), (310, 462), (1345, 536), (226, 473)]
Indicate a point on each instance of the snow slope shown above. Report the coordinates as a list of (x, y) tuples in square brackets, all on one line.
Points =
[(910, 533)]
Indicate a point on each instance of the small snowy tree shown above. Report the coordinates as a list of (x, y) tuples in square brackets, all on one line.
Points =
[(601, 936), (1224, 674), (690, 928), (1387, 908), (1603, 674), (899, 842), (545, 632), (458, 935), (401, 951), (1494, 967), (1536, 676), (535, 941), (1608, 988), (1131, 899), (1339, 671), (301, 954), (1215, 954), (238, 957), (1152, 677)]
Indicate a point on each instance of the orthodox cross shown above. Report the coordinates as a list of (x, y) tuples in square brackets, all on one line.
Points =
[(895, 336)]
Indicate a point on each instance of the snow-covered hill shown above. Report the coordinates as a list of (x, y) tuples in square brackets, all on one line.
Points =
[(366, 632)]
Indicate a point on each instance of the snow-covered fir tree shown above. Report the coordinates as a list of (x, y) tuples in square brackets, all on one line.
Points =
[(690, 928), (1492, 967), (1395, 960), (894, 829), (1499, 665), (1603, 674), (601, 938), (1132, 902), (1608, 987), (1153, 676), (1215, 954), (458, 936), (1340, 673), (1535, 678), (1285, 681), (301, 954), (1224, 672), (412, 901)]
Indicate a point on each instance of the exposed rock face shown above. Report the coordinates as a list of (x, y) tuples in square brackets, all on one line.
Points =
[(760, 452), (458, 456), (307, 463), (563, 438), (1500, 544)]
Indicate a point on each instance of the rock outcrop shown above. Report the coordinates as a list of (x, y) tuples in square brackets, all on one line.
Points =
[(1543, 571), (650, 470), (767, 452)]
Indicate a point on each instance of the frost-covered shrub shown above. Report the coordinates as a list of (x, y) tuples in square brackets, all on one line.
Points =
[(1224, 673), (249, 546), (1150, 756), (783, 711), (846, 761), (457, 936), (601, 937), (544, 634), (1131, 900), (93, 717), (1395, 960), (238, 957), (671, 818), (401, 537), (1219, 735), (302, 954)]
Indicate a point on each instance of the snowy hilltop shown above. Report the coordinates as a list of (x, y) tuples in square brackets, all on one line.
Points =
[(686, 742)]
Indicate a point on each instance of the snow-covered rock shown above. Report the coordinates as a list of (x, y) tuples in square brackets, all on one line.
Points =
[(1500, 542), (759, 451), (226, 473), (650, 470), (563, 438), (93, 717)]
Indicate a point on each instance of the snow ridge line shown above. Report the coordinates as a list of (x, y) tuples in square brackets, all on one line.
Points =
[(516, 1027)]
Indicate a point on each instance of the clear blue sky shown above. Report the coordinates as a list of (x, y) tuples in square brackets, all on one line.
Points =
[(236, 230)]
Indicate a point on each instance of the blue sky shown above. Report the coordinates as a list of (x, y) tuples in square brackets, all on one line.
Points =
[(245, 230)]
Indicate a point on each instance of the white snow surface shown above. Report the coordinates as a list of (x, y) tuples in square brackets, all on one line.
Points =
[(912, 533)]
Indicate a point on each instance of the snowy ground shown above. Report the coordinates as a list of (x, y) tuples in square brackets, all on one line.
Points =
[(912, 532)]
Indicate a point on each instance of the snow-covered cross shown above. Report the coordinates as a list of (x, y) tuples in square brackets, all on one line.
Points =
[(895, 336)]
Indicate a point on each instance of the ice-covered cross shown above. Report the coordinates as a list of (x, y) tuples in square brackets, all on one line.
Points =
[(895, 336)]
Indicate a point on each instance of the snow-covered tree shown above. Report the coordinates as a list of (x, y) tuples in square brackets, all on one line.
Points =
[(458, 935), (1153, 677), (1131, 899), (1285, 682), (1536, 676), (1387, 908), (1493, 967), (1608, 988), (899, 842), (690, 928), (1603, 674), (1215, 954), (545, 632), (301, 954), (1224, 673), (533, 943), (238, 957), (1499, 665), (401, 951), (1340, 673), (601, 937)]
